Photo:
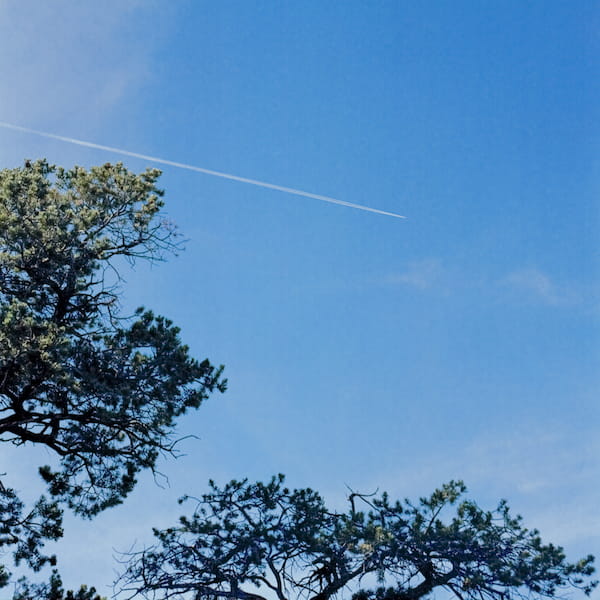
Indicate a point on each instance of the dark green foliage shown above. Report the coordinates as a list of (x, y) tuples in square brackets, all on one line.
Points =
[(99, 390), (53, 590), (245, 537), (27, 531)]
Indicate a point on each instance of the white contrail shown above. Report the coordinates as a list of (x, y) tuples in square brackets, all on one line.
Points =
[(163, 161)]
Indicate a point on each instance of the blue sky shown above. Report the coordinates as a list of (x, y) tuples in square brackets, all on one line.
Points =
[(462, 342)]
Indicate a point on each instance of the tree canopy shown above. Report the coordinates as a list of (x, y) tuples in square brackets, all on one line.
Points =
[(101, 390), (258, 541)]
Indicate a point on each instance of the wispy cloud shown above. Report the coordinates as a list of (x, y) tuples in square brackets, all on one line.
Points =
[(71, 62), (542, 464), (531, 284), (421, 274), (521, 285), (547, 472)]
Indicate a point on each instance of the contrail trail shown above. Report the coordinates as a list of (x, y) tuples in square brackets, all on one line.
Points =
[(264, 184)]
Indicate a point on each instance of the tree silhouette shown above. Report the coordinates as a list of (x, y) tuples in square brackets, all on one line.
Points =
[(258, 541), (100, 390)]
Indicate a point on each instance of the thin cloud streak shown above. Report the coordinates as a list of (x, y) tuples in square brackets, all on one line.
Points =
[(179, 165)]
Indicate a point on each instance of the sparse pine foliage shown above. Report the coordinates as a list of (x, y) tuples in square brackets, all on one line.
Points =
[(246, 538), (52, 590)]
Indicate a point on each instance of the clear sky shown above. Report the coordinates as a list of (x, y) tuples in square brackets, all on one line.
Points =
[(462, 342)]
